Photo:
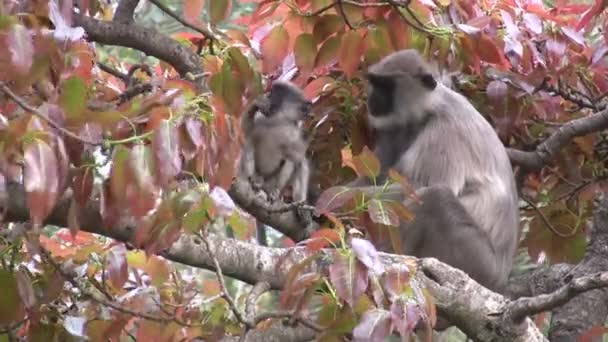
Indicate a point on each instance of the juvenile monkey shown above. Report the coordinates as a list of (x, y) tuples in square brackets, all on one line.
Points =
[(274, 153), (451, 155)]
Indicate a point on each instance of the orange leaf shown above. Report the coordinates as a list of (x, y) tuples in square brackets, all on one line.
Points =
[(274, 48), (350, 52)]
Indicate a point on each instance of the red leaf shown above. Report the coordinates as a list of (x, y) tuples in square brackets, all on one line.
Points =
[(375, 325), (41, 179), (274, 48), (367, 254), (349, 277), (142, 192), (116, 264), (405, 316), (119, 175), (381, 213), (25, 288), (397, 279), (490, 52), (166, 145), (192, 10), (20, 45), (83, 185), (596, 9), (350, 52), (333, 198), (322, 238)]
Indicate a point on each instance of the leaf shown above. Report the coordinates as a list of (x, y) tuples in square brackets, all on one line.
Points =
[(83, 185), (375, 325), (21, 47), (489, 51), (351, 50), (40, 180), (141, 190), (381, 213), (322, 238), (192, 10), (326, 26), (219, 10), (75, 326), (405, 316), (333, 198), (512, 39), (396, 280), (328, 53), (575, 36), (349, 277), (119, 175), (366, 163), (154, 266), (25, 288), (73, 97), (305, 51), (367, 254), (63, 30), (274, 48), (117, 266), (166, 145), (11, 307), (240, 64), (496, 90), (533, 22)]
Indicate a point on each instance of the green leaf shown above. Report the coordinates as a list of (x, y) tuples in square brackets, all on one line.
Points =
[(326, 26), (73, 97), (305, 51), (218, 10), (381, 213), (11, 307), (328, 52)]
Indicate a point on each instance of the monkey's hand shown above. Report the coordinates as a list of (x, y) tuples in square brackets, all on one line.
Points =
[(256, 182), (273, 195)]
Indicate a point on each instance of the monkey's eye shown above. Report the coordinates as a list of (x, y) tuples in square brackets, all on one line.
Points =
[(306, 107)]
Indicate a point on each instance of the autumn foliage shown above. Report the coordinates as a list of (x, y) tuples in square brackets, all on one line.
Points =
[(152, 146)]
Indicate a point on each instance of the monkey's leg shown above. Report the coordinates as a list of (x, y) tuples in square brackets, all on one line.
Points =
[(281, 180)]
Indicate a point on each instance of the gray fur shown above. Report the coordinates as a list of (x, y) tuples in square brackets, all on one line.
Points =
[(460, 168), (274, 153)]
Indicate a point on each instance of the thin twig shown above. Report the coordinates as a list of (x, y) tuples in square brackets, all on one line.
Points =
[(46, 256), (122, 76), (220, 278), (205, 32), (288, 314), (547, 222), (19, 101)]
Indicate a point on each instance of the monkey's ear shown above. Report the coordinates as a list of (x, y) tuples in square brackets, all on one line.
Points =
[(428, 81)]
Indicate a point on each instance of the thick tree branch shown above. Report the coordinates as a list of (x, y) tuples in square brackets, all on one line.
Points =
[(535, 160), (146, 40), (287, 222)]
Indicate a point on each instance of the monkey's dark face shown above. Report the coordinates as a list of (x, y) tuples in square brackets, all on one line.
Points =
[(288, 100), (380, 100)]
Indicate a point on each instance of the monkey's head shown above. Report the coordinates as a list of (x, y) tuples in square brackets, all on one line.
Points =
[(399, 88), (288, 101)]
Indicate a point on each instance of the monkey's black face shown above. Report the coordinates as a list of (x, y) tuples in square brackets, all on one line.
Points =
[(380, 100)]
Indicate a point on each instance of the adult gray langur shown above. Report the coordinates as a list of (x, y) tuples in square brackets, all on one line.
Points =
[(452, 156)]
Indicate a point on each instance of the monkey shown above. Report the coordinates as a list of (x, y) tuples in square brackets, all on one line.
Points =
[(453, 158), (274, 153)]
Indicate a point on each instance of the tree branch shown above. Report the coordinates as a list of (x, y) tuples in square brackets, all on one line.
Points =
[(535, 160), (205, 32), (146, 40)]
